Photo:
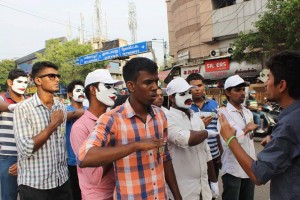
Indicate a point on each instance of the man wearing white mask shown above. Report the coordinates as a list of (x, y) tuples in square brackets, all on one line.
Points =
[(17, 83), (95, 183), (187, 139), (75, 110)]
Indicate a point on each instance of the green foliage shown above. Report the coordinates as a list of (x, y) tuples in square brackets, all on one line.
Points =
[(5, 67), (277, 30), (64, 55)]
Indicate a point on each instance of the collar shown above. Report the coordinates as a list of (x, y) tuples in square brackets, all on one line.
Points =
[(231, 108), (178, 113), (7, 95), (90, 115), (37, 101), (129, 112), (289, 109)]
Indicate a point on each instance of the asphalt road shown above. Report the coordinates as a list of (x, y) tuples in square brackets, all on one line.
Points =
[(261, 192)]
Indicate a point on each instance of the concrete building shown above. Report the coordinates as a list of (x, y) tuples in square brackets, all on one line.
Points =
[(201, 33)]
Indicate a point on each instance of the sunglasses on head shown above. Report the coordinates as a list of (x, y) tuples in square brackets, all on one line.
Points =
[(50, 76)]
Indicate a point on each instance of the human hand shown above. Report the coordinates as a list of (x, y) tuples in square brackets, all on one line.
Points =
[(211, 133), (226, 130), (214, 189), (13, 170), (11, 107), (150, 143), (57, 118), (206, 120), (251, 126), (266, 140)]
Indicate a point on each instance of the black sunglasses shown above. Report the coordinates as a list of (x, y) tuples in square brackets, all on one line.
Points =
[(50, 76)]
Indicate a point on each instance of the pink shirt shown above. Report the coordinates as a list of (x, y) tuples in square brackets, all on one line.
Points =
[(92, 184)]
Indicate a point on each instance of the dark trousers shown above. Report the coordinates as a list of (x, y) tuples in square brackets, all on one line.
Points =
[(76, 192), (8, 183), (62, 192), (237, 188)]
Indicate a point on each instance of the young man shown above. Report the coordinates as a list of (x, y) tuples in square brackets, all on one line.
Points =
[(207, 109), (39, 126), (279, 161), (75, 110), (133, 137), (159, 100), (17, 82), (236, 183), (187, 139), (95, 183)]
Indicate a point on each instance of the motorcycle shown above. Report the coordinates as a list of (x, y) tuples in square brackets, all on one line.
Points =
[(269, 113)]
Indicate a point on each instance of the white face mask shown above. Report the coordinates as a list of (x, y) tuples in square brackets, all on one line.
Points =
[(78, 93), (184, 99), (20, 84), (106, 94)]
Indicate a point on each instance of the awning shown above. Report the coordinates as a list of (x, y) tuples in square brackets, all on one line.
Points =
[(163, 74)]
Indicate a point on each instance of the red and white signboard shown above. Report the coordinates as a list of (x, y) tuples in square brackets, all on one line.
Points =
[(185, 71), (216, 65)]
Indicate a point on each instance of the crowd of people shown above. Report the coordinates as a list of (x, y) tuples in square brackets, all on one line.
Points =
[(134, 148)]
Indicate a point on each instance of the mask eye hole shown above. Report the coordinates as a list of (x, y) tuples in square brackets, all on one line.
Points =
[(109, 86), (181, 93)]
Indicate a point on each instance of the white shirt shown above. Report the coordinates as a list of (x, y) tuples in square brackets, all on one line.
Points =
[(238, 120), (190, 163)]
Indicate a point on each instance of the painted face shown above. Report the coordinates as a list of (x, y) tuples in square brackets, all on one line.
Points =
[(20, 84), (184, 99), (106, 94), (78, 93)]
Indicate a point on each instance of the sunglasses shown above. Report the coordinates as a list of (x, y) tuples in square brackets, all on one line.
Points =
[(50, 76)]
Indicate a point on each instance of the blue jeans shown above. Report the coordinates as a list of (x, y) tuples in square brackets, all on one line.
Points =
[(9, 185)]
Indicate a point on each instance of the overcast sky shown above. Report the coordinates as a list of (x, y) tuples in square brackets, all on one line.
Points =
[(25, 25)]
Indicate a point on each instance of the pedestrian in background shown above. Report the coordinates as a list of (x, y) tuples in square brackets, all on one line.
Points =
[(17, 82)]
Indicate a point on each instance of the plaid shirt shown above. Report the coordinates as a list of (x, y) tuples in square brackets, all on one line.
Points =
[(139, 175), (47, 167)]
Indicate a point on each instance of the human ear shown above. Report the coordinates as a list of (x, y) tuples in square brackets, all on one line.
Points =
[(9, 82), (130, 85)]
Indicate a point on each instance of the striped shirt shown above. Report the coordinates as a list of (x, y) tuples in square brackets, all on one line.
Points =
[(139, 175), (208, 107), (47, 167), (7, 138)]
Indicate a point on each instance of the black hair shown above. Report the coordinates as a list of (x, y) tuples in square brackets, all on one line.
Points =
[(16, 73), (71, 85), (39, 66), (134, 66), (194, 76), (87, 90), (286, 66)]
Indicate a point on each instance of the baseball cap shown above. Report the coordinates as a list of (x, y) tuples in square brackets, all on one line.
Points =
[(177, 85), (100, 75), (233, 81), (263, 75)]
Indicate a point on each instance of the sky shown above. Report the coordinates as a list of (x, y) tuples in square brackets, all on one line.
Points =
[(25, 25)]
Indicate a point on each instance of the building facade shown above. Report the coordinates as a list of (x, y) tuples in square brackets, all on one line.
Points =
[(201, 33)]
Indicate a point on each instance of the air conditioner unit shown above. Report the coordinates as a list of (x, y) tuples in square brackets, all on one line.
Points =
[(230, 50), (215, 53)]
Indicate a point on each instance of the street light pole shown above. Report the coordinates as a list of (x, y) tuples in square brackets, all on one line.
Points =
[(165, 50)]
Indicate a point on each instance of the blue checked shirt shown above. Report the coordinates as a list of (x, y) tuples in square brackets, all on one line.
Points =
[(47, 167)]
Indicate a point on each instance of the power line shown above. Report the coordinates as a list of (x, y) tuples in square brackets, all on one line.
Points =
[(38, 16)]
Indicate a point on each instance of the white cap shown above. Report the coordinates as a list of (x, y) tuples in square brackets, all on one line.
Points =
[(100, 75), (177, 85), (233, 81), (263, 75)]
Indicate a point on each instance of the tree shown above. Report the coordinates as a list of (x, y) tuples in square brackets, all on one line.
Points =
[(5, 67), (277, 30), (64, 54)]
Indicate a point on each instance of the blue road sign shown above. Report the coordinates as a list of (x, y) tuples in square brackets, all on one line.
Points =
[(128, 50)]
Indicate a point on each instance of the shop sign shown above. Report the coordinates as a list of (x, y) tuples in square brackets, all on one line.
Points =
[(185, 71), (216, 65)]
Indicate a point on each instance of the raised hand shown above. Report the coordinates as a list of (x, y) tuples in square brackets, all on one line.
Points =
[(56, 118)]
